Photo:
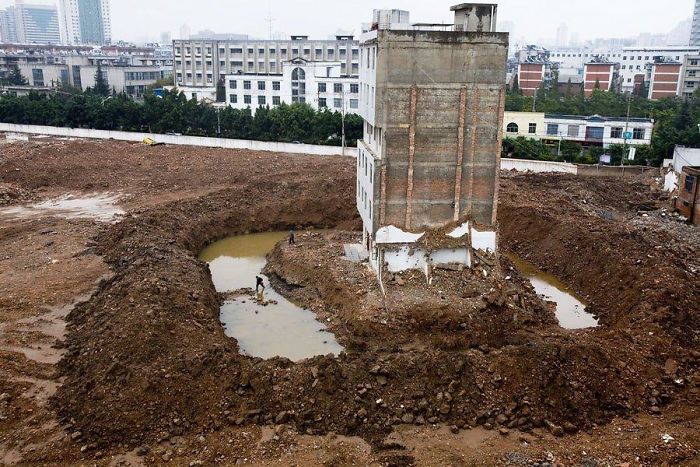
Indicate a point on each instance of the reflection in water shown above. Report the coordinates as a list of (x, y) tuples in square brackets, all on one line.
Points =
[(265, 324), (570, 311)]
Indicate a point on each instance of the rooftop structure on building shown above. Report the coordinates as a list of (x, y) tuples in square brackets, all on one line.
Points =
[(431, 97)]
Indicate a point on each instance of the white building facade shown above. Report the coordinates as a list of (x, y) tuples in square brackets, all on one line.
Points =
[(321, 85), (199, 64), (85, 22)]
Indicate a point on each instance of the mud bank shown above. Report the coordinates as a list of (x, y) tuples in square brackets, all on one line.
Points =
[(147, 356)]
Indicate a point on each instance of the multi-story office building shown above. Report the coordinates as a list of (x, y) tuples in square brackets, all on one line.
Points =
[(36, 23), (636, 60), (319, 84), (8, 25), (604, 76), (85, 22), (695, 28), (200, 64), (663, 78), (432, 98), (126, 70), (690, 80)]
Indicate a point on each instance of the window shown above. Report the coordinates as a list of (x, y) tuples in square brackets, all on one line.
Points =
[(246, 84), (272, 51), (331, 52), (307, 51), (283, 52), (694, 63), (552, 129), (354, 103), (298, 86), (512, 127), (38, 76), (338, 87), (691, 73), (295, 52), (689, 183), (275, 85), (616, 132), (261, 51), (319, 53), (250, 51), (572, 131), (321, 87), (233, 84), (354, 88), (532, 128), (261, 100), (261, 85), (276, 100), (337, 103), (638, 133), (247, 99), (322, 103), (251, 65), (233, 98)]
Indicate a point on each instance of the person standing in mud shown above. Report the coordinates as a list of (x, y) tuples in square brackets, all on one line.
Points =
[(259, 283), (292, 238)]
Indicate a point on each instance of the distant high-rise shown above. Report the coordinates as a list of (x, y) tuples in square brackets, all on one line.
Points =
[(695, 30), (8, 25), (185, 32), (36, 23), (86, 22), (563, 35)]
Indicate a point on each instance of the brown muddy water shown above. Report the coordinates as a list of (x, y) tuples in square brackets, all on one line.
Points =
[(570, 310), (280, 328)]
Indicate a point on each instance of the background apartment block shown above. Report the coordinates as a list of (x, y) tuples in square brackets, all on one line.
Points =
[(604, 76), (318, 84), (85, 22), (128, 70), (30, 24), (200, 64), (432, 98)]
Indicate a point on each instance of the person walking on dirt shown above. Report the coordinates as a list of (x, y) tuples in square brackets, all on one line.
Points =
[(259, 283), (292, 238)]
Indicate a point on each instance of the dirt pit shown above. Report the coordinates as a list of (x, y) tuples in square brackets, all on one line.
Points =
[(265, 323), (570, 310), (474, 374)]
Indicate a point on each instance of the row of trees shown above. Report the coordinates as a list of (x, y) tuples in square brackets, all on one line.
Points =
[(101, 109), (675, 120)]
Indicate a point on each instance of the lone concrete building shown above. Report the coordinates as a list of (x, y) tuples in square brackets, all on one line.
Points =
[(432, 99)]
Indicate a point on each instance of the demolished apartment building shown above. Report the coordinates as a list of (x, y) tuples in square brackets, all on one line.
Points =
[(432, 99)]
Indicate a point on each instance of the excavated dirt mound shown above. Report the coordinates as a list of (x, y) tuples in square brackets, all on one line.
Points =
[(147, 357)]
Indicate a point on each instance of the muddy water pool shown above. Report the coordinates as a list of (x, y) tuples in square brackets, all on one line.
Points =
[(570, 310), (279, 328)]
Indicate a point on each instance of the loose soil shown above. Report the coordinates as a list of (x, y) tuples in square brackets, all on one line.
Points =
[(471, 370)]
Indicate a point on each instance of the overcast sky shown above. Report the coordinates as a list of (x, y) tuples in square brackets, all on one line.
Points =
[(139, 20)]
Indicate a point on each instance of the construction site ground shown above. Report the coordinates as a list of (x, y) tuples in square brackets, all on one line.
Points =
[(112, 353)]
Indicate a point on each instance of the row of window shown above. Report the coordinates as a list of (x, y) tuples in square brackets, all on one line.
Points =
[(277, 100), (330, 52), (276, 85), (142, 75), (573, 131), (248, 99), (238, 66)]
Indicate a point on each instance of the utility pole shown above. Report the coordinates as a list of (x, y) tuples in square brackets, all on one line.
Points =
[(342, 117), (627, 125), (270, 19), (218, 121)]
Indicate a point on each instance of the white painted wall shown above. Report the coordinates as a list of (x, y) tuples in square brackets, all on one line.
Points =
[(522, 165), (180, 140)]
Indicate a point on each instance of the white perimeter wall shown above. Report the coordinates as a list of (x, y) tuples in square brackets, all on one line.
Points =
[(180, 140), (522, 165)]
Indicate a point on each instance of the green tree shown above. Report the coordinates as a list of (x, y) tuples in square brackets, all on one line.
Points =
[(101, 86), (15, 78)]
